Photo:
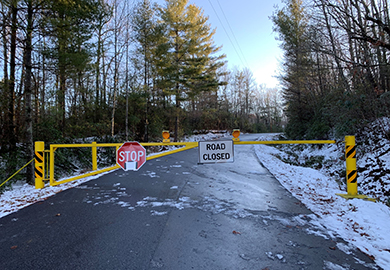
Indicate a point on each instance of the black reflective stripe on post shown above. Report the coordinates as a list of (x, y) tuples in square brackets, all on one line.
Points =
[(39, 164), (350, 151), (352, 176), (38, 172), (38, 157)]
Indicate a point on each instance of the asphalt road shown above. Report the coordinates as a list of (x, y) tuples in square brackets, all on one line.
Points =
[(174, 214)]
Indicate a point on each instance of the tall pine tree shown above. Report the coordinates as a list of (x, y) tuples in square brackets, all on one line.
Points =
[(70, 25), (292, 25), (146, 34), (188, 64)]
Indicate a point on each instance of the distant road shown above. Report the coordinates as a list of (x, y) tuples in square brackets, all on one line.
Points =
[(174, 214)]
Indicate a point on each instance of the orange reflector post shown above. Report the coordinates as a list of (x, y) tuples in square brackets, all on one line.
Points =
[(236, 135), (166, 136)]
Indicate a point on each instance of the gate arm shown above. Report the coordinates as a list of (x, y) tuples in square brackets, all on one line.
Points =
[(286, 142), (187, 146)]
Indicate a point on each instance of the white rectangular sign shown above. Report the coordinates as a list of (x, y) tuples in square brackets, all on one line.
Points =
[(131, 166), (216, 152)]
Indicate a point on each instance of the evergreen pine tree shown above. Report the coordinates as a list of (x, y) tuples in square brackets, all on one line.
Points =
[(291, 23), (187, 63), (69, 25)]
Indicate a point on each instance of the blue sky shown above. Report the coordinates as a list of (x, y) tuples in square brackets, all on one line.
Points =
[(252, 28)]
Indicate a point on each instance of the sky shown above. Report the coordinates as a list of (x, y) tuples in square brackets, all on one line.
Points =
[(362, 224), (244, 30)]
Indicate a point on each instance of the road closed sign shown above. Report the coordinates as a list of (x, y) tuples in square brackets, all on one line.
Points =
[(216, 152)]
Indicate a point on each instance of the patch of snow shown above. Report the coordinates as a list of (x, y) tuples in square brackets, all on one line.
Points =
[(156, 213), (279, 256), (270, 255), (332, 266), (157, 204), (142, 203), (151, 174), (124, 204), (345, 248), (150, 199), (184, 199)]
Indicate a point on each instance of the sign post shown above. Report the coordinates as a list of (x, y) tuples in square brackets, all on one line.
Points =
[(131, 156), (216, 152)]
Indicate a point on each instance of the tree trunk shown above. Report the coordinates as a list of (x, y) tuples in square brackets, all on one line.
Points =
[(61, 98), (62, 78), (177, 112), (5, 72), (115, 70), (28, 92), (97, 85), (113, 114), (334, 49), (11, 86)]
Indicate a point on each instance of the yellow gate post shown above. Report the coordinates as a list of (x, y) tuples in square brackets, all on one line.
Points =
[(350, 160), (39, 164), (94, 156)]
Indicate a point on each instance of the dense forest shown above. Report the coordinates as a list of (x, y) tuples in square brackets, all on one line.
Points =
[(335, 74), (117, 70)]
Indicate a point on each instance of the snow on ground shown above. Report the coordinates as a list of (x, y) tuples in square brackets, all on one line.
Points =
[(361, 223), (23, 194)]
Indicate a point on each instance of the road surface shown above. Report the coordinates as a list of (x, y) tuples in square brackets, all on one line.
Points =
[(174, 214)]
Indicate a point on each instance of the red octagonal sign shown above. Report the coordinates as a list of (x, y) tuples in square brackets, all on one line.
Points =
[(131, 156)]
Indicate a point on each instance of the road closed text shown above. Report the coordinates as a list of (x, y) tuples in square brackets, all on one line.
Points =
[(216, 156), (216, 152)]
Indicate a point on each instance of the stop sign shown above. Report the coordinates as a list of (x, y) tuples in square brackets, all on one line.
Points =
[(131, 156)]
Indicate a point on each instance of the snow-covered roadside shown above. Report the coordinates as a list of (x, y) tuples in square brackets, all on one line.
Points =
[(23, 194), (361, 223)]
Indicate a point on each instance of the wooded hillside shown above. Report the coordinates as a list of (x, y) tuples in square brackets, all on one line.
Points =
[(336, 73)]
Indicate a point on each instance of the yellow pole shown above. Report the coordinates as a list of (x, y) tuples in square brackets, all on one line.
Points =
[(47, 165), (39, 164), (51, 176), (94, 156), (350, 160), (350, 157)]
